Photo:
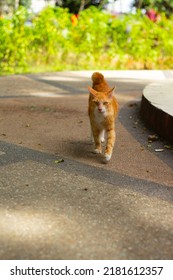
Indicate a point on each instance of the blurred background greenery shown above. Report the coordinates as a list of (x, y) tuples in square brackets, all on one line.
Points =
[(82, 34)]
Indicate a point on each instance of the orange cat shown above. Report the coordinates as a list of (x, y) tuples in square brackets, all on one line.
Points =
[(102, 110)]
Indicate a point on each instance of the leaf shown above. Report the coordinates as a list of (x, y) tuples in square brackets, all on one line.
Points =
[(168, 147), (152, 138), (47, 109), (132, 104), (159, 150), (59, 160)]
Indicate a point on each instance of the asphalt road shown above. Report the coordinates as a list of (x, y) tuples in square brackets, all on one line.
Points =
[(58, 200)]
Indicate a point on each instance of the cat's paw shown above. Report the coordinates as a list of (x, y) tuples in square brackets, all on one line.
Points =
[(102, 139), (107, 158), (97, 151)]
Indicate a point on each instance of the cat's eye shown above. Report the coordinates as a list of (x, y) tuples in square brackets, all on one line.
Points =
[(105, 103), (96, 102)]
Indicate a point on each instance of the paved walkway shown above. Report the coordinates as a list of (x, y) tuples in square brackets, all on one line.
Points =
[(58, 201)]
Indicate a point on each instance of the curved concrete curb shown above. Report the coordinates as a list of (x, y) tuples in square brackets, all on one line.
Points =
[(157, 108)]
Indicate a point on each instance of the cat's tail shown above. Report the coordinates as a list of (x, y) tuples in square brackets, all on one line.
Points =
[(97, 78)]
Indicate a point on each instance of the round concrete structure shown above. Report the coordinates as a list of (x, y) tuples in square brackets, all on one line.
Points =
[(157, 108)]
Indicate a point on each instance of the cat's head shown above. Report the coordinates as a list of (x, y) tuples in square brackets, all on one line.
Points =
[(101, 100)]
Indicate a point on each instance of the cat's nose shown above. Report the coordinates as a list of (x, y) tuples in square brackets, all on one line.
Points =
[(100, 109)]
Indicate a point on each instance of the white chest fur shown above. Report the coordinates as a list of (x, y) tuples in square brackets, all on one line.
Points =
[(99, 117)]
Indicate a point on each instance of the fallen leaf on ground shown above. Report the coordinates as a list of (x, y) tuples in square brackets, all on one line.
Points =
[(47, 109), (159, 150), (132, 104), (59, 160), (168, 147), (153, 138)]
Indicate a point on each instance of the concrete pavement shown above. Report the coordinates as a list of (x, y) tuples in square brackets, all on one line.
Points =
[(58, 201)]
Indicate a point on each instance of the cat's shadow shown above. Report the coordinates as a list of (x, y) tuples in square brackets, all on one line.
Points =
[(84, 150)]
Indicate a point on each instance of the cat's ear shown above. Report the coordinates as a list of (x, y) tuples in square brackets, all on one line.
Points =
[(110, 93), (92, 91)]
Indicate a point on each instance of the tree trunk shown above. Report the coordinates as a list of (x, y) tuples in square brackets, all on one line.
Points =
[(140, 4), (2, 3), (15, 4), (82, 6)]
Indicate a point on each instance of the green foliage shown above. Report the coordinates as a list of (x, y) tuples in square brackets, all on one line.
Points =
[(160, 6), (98, 41), (50, 34), (14, 43), (25, 3)]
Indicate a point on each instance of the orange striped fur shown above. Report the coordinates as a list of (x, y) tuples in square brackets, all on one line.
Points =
[(102, 111)]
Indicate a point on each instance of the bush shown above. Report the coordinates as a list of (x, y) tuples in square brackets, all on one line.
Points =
[(14, 43), (98, 40)]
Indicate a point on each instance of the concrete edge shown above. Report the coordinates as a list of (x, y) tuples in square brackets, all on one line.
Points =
[(159, 120)]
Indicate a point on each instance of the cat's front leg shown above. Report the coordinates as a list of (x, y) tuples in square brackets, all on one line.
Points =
[(102, 136), (110, 144), (97, 141), (99, 138), (98, 148)]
